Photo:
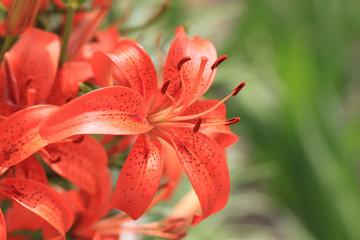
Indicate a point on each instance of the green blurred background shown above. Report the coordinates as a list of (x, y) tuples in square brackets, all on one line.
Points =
[(294, 170)]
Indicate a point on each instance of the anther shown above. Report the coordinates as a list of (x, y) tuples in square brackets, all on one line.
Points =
[(164, 87), (79, 139), (28, 82), (181, 62), (232, 121), (197, 125), (238, 88), (218, 61), (55, 160), (68, 99)]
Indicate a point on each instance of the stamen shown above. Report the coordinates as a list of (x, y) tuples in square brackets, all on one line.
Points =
[(188, 117), (116, 219), (55, 160), (238, 88), (79, 139), (28, 82), (30, 96), (195, 85), (173, 124), (197, 126), (68, 99), (232, 121), (201, 69), (181, 62), (45, 153), (30, 92), (228, 122), (164, 87), (218, 61)]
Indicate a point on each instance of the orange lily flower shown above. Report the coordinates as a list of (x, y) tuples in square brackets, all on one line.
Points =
[(198, 131), (30, 77), (38, 204)]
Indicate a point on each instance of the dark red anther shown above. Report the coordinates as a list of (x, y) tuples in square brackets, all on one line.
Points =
[(197, 126), (164, 87), (218, 61), (181, 62), (28, 82), (232, 121), (238, 88), (68, 99), (55, 160), (79, 139)]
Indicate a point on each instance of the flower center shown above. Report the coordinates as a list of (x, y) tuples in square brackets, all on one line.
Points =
[(171, 116)]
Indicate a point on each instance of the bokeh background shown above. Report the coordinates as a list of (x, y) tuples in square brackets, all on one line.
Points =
[(295, 168)]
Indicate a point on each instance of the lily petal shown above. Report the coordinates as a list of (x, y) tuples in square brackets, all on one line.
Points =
[(34, 66), (19, 136), (6, 103), (205, 165), (172, 169), (195, 48), (103, 41), (2, 226), (98, 203), (134, 64), (221, 133), (77, 161), (139, 178), (41, 199), (31, 169), (113, 110), (84, 29), (28, 220), (66, 86)]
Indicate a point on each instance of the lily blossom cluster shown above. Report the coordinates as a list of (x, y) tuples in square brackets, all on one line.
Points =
[(55, 155)]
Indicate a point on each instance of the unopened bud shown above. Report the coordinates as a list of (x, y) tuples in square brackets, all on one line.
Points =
[(20, 15)]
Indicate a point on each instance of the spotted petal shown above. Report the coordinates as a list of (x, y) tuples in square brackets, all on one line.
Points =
[(113, 110), (30, 169), (221, 133), (19, 136), (195, 48), (41, 199), (77, 161), (134, 64), (139, 178), (205, 165)]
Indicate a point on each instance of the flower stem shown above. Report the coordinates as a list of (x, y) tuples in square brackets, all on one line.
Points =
[(68, 24), (6, 46)]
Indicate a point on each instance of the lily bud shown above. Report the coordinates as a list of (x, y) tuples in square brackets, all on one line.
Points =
[(20, 15)]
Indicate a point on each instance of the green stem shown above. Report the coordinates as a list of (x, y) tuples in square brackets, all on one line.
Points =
[(68, 24), (6, 46)]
